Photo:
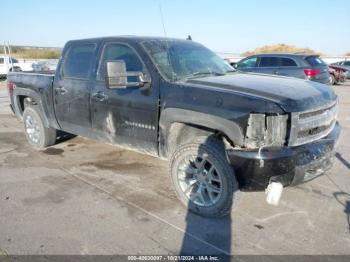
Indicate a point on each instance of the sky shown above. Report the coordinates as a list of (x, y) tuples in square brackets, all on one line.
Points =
[(222, 25)]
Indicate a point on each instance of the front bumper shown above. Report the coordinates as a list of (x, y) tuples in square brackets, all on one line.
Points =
[(288, 165)]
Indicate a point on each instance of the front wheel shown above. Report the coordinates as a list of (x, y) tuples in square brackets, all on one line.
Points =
[(204, 180), (38, 135)]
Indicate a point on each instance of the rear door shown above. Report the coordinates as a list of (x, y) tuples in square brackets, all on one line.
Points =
[(269, 65), (289, 67), (72, 88)]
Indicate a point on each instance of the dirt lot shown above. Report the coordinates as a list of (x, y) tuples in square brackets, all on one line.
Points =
[(83, 197)]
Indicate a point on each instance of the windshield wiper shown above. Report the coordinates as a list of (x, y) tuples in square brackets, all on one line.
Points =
[(207, 73), (196, 74)]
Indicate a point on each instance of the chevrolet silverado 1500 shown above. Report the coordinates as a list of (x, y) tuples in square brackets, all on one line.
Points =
[(221, 130)]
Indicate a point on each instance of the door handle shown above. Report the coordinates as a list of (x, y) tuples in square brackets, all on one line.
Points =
[(61, 90), (100, 96), (277, 73)]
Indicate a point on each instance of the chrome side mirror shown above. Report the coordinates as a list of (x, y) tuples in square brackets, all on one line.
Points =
[(117, 76)]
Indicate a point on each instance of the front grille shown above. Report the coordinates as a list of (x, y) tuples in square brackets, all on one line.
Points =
[(312, 125)]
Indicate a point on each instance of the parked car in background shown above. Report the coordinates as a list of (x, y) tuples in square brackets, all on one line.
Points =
[(345, 64), (305, 66), (338, 74), (48, 65), (7, 66)]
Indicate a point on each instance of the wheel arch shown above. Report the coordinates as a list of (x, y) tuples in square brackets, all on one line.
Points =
[(22, 96), (180, 125)]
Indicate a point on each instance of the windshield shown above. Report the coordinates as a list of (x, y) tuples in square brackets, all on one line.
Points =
[(180, 60)]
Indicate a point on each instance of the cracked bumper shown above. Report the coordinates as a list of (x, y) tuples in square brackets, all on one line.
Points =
[(288, 165)]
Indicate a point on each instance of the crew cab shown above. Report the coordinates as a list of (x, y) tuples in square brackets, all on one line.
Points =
[(221, 130)]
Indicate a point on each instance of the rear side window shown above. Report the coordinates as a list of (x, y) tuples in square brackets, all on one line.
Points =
[(78, 61), (347, 63), (269, 62), (1, 60), (315, 61), (287, 62)]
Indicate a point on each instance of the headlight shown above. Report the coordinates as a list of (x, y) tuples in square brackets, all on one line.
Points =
[(266, 130)]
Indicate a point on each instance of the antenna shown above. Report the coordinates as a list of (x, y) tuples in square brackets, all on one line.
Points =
[(162, 18)]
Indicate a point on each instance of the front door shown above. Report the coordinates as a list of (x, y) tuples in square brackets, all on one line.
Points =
[(127, 116), (72, 89)]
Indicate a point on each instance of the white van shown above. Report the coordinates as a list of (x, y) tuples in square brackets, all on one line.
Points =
[(6, 66)]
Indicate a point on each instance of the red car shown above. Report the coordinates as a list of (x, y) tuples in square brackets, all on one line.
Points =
[(338, 74)]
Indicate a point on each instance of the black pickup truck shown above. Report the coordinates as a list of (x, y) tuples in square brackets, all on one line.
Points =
[(222, 130)]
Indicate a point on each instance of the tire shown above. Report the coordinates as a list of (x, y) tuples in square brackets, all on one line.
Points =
[(207, 156), (333, 80), (37, 134)]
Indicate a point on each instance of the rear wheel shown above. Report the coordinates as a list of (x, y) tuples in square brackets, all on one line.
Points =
[(37, 134), (204, 180), (333, 80)]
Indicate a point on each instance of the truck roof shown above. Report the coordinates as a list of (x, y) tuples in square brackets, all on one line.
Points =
[(129, 38)]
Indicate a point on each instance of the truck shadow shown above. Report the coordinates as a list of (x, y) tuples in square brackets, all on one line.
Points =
[(207, 236), (343, 160), (344, 199)]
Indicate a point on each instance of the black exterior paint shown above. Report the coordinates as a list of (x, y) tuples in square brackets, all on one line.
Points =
[(140, 117), (287, 165)]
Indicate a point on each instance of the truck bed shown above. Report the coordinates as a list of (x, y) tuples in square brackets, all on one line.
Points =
[(32, 79)]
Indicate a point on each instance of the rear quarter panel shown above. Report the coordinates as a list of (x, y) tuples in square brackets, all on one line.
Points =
[(36, 86)]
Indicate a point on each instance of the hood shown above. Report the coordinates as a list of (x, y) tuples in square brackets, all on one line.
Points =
[(292, 94)]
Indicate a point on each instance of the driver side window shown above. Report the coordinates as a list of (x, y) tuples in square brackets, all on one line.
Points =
[(119, 52)]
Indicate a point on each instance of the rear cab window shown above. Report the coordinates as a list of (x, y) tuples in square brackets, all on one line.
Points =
[(78, 61)]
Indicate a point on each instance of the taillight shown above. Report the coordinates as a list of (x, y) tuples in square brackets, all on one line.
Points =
[(10, 85), (311, 72)]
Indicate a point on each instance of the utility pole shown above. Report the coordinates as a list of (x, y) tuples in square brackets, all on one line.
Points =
[(10, 57)]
